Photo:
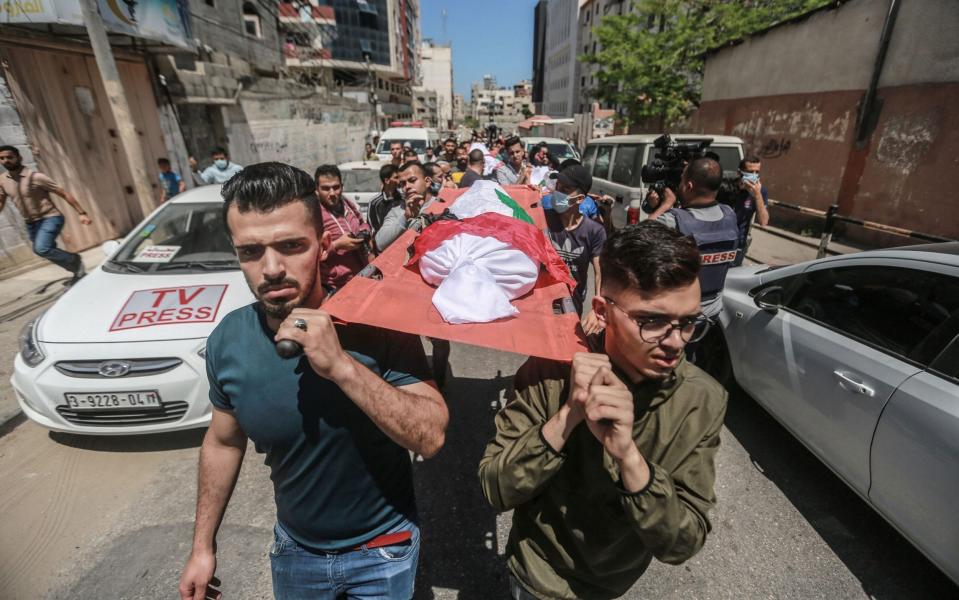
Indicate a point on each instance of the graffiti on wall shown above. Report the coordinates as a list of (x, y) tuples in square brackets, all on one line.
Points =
[(905, 140), (809, 123), (774, 147)]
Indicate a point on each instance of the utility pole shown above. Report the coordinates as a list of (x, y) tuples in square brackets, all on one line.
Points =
[(119, 106)]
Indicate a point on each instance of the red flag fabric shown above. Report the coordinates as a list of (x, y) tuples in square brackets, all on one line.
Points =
[(518, 234)]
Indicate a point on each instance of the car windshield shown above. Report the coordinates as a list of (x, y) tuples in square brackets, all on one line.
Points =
[(558, 151), (361, 180), (180, 237), (418, 145)]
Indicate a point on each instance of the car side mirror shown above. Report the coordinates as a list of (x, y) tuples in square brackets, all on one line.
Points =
[(109, 247), (770, 299)]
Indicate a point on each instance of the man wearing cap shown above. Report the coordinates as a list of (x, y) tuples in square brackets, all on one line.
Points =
[(578, 240)]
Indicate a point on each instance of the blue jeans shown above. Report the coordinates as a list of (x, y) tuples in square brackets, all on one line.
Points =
[(43, 235), (387, 572)]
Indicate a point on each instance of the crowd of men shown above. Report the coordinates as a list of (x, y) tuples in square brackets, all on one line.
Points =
[(606, 463)]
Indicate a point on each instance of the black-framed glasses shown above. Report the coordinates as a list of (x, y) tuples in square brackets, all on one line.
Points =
[(653, 330)]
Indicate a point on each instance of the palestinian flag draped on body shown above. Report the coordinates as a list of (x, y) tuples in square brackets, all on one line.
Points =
[(492, 255)]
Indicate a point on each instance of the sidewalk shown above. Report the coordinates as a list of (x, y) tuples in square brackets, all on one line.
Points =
[(776, 247), (22, 297)]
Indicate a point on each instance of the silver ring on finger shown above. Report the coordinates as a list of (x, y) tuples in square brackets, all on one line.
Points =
[(299, 324)]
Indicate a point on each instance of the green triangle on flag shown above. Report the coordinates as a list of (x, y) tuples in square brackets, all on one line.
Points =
[(518, 212)]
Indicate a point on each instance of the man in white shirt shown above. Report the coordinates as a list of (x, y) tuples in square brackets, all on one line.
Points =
[(219, 172)]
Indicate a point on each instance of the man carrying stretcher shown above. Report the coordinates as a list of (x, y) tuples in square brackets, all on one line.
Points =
[(609, 462)]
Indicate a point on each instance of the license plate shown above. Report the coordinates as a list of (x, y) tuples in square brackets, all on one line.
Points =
[(113, 400)]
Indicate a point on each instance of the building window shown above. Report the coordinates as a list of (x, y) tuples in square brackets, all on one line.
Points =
[(251, 20)]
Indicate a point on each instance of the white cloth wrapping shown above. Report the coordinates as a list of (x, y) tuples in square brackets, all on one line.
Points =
[(490, 162), (481, 198), (476, 278), (539, 175)]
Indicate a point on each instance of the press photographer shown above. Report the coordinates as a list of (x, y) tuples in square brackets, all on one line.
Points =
[(701, 217)]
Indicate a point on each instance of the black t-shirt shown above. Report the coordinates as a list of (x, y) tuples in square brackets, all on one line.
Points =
[(745, 207), (577, 248), (469, 177)]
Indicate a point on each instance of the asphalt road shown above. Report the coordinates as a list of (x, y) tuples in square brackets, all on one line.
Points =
[(102, 517)]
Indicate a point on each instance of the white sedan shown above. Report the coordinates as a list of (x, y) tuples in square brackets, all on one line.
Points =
[(122, 352)]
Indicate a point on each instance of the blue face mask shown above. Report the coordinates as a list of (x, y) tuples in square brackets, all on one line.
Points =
[(561, 201), (221, 163), (750, 177)]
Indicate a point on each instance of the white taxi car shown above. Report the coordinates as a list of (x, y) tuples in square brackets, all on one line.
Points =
[(122, 351)]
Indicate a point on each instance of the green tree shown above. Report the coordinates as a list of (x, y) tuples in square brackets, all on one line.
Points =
[(652, 57), (527, 113), (471, 123)]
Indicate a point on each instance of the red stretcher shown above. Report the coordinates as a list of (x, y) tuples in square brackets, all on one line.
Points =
[(389, 295)]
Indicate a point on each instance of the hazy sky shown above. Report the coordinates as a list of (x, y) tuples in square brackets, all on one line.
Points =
[(488, 36)]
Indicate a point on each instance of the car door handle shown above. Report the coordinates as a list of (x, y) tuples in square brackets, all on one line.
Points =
[(848, 383)]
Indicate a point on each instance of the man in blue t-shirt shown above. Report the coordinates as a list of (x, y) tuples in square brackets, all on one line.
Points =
[(171, 183), (750, 199), (336, 423)]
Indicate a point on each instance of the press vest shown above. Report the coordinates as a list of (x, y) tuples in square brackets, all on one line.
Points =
[(717, 242)]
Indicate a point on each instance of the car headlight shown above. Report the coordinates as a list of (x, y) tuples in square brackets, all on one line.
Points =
[(30, 350), (201, 351)]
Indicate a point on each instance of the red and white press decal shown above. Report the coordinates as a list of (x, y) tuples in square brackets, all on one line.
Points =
[(170, 306), (715, 258)]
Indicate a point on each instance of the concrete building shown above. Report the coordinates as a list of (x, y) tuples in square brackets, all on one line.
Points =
[(501, 106), (822, 137), (426, 107), (560, 51), (368, 50), (523, 89), (459, 112), (591, 13), (436, 75), (55, 110), (539, 53), (248, 87)]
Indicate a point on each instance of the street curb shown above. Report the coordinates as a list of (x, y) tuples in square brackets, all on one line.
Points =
[(12, 422)]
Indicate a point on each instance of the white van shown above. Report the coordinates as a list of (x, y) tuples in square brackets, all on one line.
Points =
[(558, 149), (418, 137), (617, 161)]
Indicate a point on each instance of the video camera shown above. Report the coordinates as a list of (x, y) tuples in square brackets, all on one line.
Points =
[(666, 169)]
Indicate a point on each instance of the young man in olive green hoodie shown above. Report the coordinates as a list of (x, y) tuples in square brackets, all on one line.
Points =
[(609, 462)]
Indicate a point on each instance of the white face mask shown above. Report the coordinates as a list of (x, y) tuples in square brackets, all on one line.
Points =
[(221, 163)]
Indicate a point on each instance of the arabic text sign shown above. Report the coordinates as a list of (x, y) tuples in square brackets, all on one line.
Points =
[(170, 306), (161, 20), (156, 254)]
